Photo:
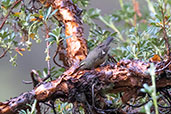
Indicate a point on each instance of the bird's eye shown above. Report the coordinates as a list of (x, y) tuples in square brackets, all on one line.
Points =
[(103, 52)]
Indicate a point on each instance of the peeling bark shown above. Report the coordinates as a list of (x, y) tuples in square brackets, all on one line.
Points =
[(88, 88), (70, 15), (127, 76)]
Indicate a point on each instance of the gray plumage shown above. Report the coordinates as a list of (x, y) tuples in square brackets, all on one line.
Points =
[(97, 56)]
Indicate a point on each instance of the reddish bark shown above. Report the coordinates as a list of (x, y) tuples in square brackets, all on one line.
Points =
[(88, 87), (70, 15), (128, 77)]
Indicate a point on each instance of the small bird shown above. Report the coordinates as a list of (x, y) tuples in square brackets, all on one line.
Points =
[(97, 56)]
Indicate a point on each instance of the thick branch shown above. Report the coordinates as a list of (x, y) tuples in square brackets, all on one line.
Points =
[(87, 86), (125, 76), (70, 15)]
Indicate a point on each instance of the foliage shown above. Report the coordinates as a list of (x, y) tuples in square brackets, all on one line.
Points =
[(151, 90), (141, 41), (139, 38), (32, 111), (139, 35)]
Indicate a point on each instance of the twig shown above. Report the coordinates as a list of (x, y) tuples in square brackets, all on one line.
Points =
[(4, 53), (139, 105), (164, 106), (162, 69), (57, 50), (36, 80), (166, 102), (112, 59), (5, 18), (53, 106), (47, 46), (166, 98), (165, 34), (166, 95), (47, 104), (136, 106), (38, 108)]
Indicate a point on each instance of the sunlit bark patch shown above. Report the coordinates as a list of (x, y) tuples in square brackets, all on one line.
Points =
[(71, 16)]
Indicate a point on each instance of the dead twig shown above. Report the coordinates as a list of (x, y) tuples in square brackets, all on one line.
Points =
[(5, 18), (35, 78), (138, 105), (112, 59), (4, 53), (38, 108), (162, 69), (56, 53), (53, 106)]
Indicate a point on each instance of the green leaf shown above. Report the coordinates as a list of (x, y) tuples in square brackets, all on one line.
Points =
[(51, 39), (44, 74), (52, 34), (48, 13), (53, 12), (33, 108), (35, 15), (114, 34), (63, 36)]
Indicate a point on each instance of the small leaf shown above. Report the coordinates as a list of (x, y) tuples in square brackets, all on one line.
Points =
[(63, 36), (53, 12), (48, 13), (53, 68), (17, 14), (52, 34), (50, 39), (114, 34), (35, 15), (44, 74)]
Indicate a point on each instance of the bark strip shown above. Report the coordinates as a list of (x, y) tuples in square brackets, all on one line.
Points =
[(127, 76)]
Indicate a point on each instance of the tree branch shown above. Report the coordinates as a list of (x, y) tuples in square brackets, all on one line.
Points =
[(70, 15), (4, 53), (6, 17), (78, 87)]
